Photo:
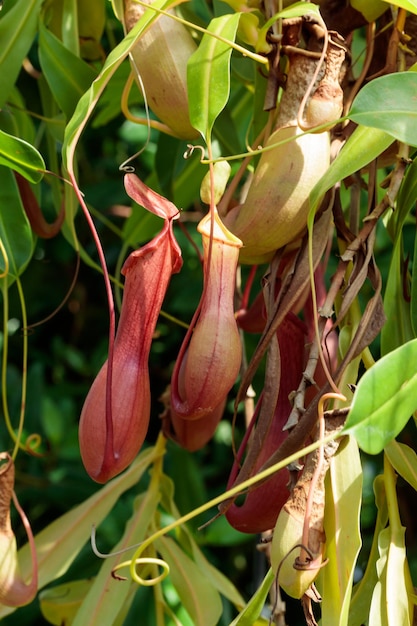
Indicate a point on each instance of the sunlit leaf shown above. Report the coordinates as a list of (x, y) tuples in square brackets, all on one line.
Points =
[(389, 601), (17, 32), (342, 528), (67, 75), (252, 610), (15, 232), (362, 592), (388, 103), (384, 400), (200, 599), (21, 156), (408, 5), (208, 74), (364, 145), (371, 9), (404, 461)]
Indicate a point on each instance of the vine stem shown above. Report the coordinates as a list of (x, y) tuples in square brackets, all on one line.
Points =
[(137, 559)]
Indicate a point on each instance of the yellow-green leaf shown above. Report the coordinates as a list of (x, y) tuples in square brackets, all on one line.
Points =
[(404, 461), (385, 399), (342, 527), (198, 596)]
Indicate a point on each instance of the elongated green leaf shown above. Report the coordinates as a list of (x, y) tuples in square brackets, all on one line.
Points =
[(200, 599), (341, 524), (384, 400), (364, 145), (107, 597), (404, 461), (250, 614), (208, 74), (398, 329), (186, 540), (67, 75), (362, 592), (59, 543), (89, 100), (15, 232), (389, 601), (17, 32), (388, 103), (21, 156)]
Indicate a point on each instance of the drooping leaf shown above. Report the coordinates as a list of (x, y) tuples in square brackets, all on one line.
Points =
[(384, 400), (342, 527), (15, 232), (21, 156), (250, 615), (362, 592), (198, 596), (388, 103), (59, 543), (389, 600), (17, 32), (107, 598), (208, 74), (404, 461), (398, 329), (186, 540), (67, 75)]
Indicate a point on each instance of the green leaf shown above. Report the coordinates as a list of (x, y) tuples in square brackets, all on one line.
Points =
[(371, 9), (17, 32), (250, 614), (388, 103), (362, 592), (389, 600), (404, 461), (364, 145), (385, 399), (66, 74), (342, 528), (15, 232), (88, 102), (408, 5), (21, 156), (200, 599), (208, 74), (398, 329)]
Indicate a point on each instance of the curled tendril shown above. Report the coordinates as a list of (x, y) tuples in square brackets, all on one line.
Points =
[(190, 151), (145, 560), (32, 444)]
